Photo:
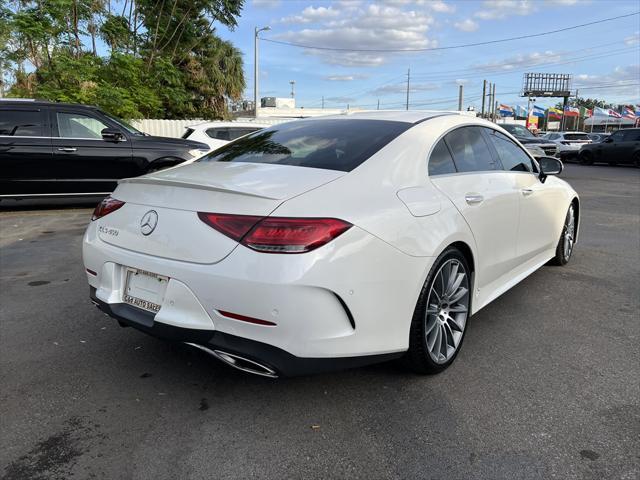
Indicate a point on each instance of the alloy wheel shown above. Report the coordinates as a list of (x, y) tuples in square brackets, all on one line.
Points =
[(569, 233), (447, 310)]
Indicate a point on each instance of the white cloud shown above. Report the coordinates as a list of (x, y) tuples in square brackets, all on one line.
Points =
[(402, 88), (345, 78), (311, 15), (266, 3), (367, 27), (436, 5), (466, 25), (499, 9), (522, 60), (621, 83), (632, 39), (340, 99)]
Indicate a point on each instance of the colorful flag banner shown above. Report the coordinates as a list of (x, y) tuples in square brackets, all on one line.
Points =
[(505, 110), (521, 112), (571, 111), (554, 113), (629, 112), (586, 112), (606, 112), (537, 111)]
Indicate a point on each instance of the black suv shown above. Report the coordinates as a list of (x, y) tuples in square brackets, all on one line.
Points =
[(622, 146), (52, 149), (526, 138)]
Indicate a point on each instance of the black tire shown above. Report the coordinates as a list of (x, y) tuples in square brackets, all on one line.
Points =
[(569, 228), (418, 358), (586, 158), (636, 159)]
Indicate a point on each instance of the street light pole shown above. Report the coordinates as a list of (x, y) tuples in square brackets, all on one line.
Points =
[(255, 67)]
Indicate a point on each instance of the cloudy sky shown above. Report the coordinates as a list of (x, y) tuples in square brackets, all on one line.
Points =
[(603, 58)]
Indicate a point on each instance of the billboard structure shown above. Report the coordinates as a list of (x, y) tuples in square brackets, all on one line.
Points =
[(548, 85)]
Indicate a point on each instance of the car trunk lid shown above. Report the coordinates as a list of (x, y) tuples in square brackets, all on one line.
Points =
[(171, 199)]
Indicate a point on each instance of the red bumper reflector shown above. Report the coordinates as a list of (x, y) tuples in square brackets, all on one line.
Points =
[(91, 272), (242, 318)]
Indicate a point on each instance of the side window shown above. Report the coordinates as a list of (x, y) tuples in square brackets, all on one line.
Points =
[(77, 125), (239, 132), (219, 133), (616, 136), (511, 155), (440, 161), (631, 136), (470, 151), (21, 123)]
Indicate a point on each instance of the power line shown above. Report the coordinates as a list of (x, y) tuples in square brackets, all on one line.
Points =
[(432, 49)]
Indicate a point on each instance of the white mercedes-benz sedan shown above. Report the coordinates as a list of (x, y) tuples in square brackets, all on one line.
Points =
[(331, 242)]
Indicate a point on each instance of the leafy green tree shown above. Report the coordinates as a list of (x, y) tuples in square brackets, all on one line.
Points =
[(140, 58)]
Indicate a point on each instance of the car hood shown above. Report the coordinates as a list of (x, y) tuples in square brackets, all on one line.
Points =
[(149, 141), (533, 141)]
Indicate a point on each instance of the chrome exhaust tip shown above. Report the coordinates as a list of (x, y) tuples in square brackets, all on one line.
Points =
[(238, 362)]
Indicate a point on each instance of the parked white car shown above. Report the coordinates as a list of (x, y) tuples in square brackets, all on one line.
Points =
[(331, 242), (569, 143), (217, 134)]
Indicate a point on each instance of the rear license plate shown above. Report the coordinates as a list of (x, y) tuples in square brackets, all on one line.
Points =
[(144, 289)]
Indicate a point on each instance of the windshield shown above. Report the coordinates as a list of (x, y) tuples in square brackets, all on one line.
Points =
[(337, 144), (518, 130), (123, 124), (576, 136)]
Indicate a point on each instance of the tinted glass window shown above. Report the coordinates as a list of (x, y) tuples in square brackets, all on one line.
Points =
[(24, 123), (219, 133), (576, 136), (511, 155), (337, 144), (470, 151), (440, 161), (77, 125), (518, 130), (240, 132), (631, 136)]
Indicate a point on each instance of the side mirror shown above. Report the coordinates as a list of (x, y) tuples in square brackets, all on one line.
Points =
[(549, 166), (608, 140), (112, 135)]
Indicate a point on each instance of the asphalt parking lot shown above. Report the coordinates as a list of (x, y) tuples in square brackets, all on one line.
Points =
[(547, 384)]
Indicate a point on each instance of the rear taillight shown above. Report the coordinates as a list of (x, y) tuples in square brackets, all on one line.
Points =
[(105, 207), (277, 234)]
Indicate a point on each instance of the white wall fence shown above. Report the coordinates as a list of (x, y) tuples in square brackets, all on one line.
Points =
[(175, 128), (163, 128)]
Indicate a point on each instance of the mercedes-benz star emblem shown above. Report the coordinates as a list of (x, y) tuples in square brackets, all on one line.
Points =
[(149, 222)]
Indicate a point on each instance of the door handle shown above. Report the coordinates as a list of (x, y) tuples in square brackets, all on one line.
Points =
[(67, 149), (526, 191), (473, 199)]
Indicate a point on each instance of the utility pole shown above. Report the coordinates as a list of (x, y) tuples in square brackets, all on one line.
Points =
[(378, 105), (494, 103), (323, 102), (408, 80), (256, 31), (293, 88), (460, 97), (484, 97)]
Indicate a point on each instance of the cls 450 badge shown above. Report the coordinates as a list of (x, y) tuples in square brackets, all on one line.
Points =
[(108, 231)]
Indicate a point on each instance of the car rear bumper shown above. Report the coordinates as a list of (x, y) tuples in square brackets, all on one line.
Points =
[(281, 362), (352, 298)]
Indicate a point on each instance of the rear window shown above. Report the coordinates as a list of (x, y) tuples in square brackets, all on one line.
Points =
[(576, 136), (338, 144), (21, 123)]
